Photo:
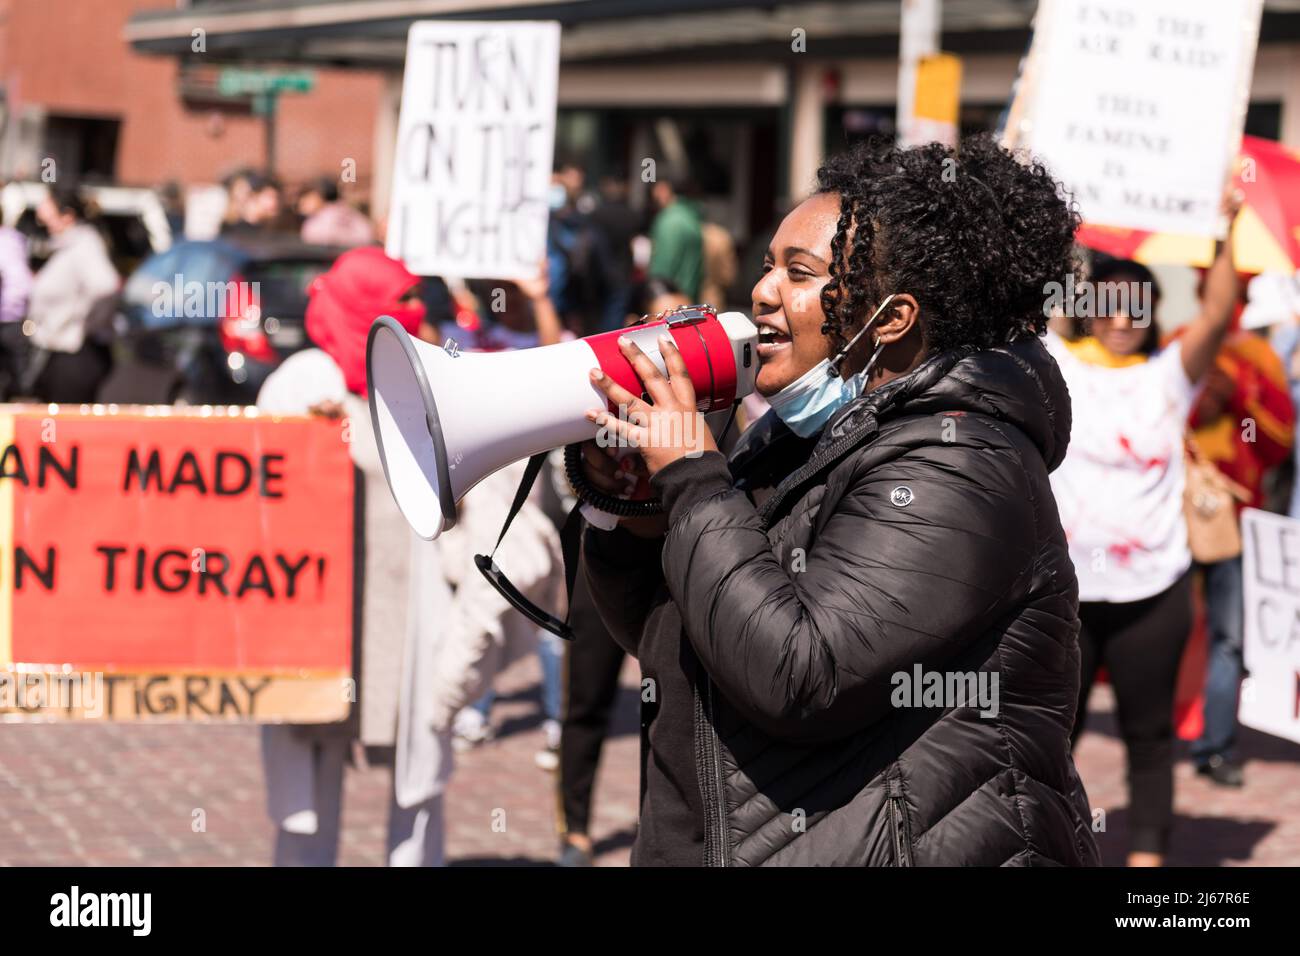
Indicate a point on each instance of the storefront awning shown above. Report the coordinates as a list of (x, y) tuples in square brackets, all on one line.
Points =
[(372, 33)]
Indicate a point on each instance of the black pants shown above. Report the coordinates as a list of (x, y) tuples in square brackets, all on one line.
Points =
[(14, 352), (592, 665), (1140, 643), (72, 377)]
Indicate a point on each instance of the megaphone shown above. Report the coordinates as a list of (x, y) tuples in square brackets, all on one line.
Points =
[(446, 419)]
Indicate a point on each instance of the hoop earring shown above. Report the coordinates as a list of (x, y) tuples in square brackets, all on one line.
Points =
[(834, 368)]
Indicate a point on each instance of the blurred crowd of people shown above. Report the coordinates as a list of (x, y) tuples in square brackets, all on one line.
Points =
[(60, 292)]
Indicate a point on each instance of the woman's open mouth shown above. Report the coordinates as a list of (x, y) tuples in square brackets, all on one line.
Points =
[(771, 342)]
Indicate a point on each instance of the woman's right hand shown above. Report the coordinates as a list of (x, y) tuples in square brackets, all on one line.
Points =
[(615, 472)]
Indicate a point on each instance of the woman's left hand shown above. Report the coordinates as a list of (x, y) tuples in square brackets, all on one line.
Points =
[(670, 428)]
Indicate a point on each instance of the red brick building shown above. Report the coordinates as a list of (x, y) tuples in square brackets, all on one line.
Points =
[(75, 91)]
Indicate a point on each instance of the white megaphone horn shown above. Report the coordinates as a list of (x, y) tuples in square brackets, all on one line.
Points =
[(446, 419)]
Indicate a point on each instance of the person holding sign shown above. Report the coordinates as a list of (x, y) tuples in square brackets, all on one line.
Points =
[(906, 536), (1120, 496)]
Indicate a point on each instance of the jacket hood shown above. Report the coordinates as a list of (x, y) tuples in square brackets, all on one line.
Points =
[(1018, 383)]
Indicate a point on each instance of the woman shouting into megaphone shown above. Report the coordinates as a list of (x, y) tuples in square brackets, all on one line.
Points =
[(857, 635)]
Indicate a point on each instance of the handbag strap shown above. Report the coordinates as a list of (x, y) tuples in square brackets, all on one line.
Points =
[(1212, 472)]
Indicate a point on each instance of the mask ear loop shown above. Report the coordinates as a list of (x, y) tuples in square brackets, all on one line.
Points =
[(833, 369)]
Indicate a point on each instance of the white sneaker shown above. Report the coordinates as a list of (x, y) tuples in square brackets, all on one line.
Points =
[(469, 730), (549, 759)]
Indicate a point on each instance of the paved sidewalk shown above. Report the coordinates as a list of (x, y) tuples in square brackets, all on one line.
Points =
[(134, 795)]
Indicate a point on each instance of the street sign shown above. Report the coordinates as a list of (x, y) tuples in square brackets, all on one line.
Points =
[(237, 81)]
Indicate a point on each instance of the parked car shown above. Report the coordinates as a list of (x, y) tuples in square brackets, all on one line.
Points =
[(206, 322)]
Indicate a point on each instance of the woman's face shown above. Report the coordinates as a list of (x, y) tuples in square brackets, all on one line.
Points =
[(1120, 333), (49, 216), (411, 302), (787, 298)]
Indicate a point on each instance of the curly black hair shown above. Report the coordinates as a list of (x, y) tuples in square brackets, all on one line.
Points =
[(975, 235)]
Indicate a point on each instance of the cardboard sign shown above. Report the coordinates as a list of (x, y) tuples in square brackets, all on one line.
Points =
[(475, 141), (155, 564), (1138, 107), (1270, 696)]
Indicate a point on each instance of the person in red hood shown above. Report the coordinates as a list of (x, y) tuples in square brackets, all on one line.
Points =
[(362, 284), (304, 764), (433, 630)]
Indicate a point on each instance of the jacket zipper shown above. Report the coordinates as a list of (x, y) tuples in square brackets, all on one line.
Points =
[(900, 831), (709, 773)]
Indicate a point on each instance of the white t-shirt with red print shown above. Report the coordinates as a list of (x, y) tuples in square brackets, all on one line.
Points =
[(1120, 488)]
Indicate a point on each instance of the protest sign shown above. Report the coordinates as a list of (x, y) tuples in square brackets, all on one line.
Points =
[(1138, 107), (475, 141), (1270, 695), (162, 564)]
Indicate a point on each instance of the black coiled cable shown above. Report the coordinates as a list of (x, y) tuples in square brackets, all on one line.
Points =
[(619, 507)]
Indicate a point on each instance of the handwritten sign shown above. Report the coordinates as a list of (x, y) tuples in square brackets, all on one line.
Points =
[(1270, 695), (474, 148), (1138, 107), (174, 565)]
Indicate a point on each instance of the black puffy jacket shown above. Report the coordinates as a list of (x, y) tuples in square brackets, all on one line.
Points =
[(919, 532)]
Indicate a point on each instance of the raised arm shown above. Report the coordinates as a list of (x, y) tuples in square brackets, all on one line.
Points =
[(1205, 333), (538, 291)]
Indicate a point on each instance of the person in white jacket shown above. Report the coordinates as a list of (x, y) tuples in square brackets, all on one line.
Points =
[(434, 631), (72, 298)]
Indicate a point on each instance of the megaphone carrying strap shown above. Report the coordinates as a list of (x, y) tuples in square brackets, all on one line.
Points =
[(570, 544), (570, 537)]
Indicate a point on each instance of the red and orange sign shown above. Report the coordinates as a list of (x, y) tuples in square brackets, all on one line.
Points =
[(197, 565)]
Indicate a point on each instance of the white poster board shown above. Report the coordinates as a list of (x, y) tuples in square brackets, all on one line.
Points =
[(475, 142), (1138, 107), (205, 212), (1270, 696)]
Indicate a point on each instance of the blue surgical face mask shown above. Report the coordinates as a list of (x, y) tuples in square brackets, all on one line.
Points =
[(807, 403)]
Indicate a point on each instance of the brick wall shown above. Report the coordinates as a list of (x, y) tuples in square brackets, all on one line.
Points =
[(69, 57)]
